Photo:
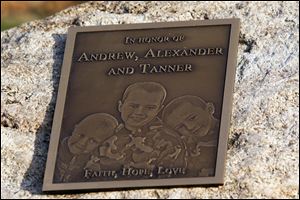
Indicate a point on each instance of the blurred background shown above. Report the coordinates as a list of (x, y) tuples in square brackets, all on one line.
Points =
[(14, 13)]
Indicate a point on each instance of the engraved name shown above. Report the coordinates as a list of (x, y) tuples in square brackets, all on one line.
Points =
[(182, 52), (90, 57), (150, 69), (151, 53)]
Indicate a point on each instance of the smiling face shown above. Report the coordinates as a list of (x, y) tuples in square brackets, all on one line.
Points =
[(140, 107), (189, 115), (91, 132), (191, 119), (82, 142)]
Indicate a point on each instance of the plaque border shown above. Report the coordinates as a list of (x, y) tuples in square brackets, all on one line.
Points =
[(218, 179)]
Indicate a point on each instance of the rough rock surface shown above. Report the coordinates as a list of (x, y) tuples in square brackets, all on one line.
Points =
[(263, 151)]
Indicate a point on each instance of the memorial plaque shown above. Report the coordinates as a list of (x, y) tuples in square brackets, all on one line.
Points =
[(143, 105)]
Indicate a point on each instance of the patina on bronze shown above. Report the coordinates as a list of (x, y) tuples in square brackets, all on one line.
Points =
[(143, 105)]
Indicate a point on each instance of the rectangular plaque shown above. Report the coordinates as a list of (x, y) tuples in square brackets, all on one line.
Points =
[(143, 105)]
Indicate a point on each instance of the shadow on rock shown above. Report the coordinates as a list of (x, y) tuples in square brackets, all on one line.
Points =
[(33, 178)]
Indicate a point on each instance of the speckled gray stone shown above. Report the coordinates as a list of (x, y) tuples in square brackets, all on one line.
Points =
[(263, 151)]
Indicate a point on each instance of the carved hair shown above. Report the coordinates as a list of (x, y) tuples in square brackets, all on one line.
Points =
[(177, 102), (150, 87), (97, 123)]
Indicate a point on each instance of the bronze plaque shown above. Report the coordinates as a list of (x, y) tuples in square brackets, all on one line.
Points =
[(143, 105)]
